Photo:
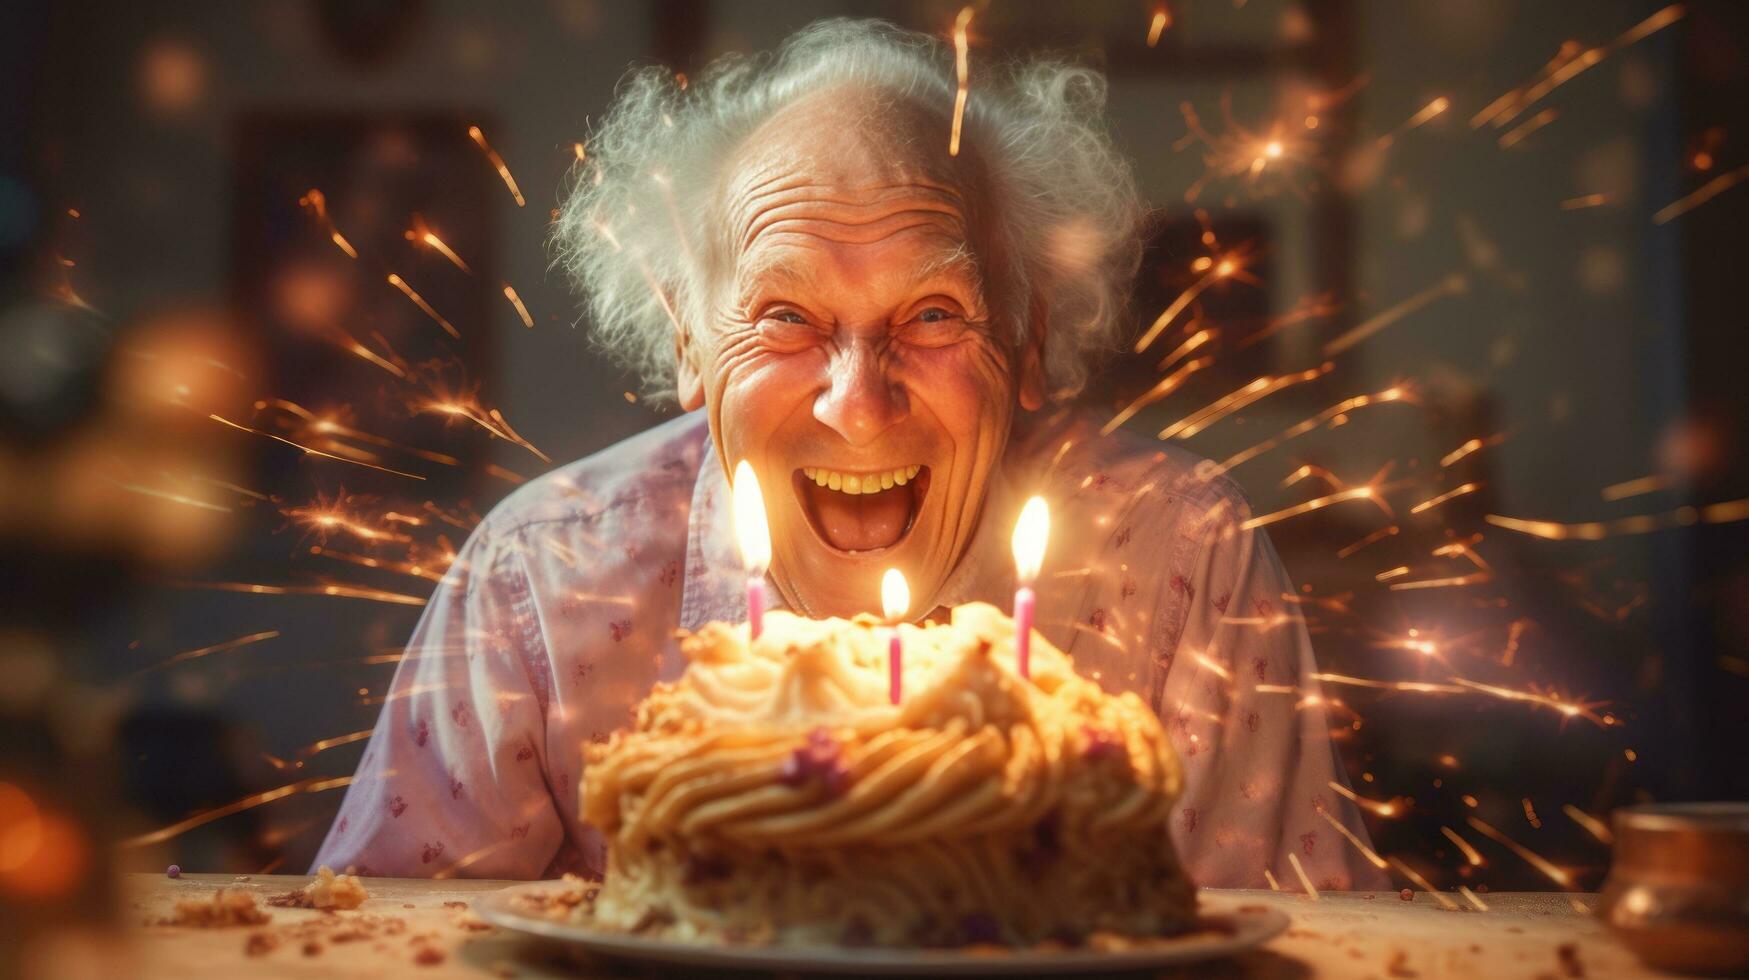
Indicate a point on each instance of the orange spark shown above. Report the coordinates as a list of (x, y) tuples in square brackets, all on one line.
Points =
[(1452, 581), (1530, 814), (1294, 859), (1719, 513), (1452, 285), (317, 203), (961, 71), (405, 568), (1395, 393), (1379, 535), (421, 234), (314, 785), (1317, 503), (1565, 66), (1592, 825), (330, 743), (327, 519), (337, 591), (1634, 488), (1535, 860), (1706, 192), (1359, 845), (1309, 471), (175, 498), (329, 427), (1571, 709), (1391, 573), (1427, 505), (1220, 270), (187, 655), (1423, 884), (1420, 118), (1516, 135), (313, 452), (516, 301), (1249, 394), (497, 163), (1166, 386), (1474, 898), (1379, 807), (577, 148), (1269, 876), (1583, 201), (1470, 853), (490, 420), (1158, 25), (1471, 446), (419, 301), (1191, 343)]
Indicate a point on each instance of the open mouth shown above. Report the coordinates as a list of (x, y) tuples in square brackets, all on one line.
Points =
[(860, 511)]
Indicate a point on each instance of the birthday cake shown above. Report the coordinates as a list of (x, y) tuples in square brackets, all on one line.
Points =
[(774, 794)]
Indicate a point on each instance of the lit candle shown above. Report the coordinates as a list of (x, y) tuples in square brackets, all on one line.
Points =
[(895, 600), (754, 535), (1030, 533)]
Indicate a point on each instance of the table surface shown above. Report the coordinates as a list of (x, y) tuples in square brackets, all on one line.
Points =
[(426, 929)]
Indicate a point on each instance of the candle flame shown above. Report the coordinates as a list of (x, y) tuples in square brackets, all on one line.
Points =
[(751, 528), (895, 595), (1030, 533)]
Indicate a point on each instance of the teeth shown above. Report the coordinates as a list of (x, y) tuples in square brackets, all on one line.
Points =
[(857, 483)]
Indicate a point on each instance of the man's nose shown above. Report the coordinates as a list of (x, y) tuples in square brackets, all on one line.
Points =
[(860, 401)]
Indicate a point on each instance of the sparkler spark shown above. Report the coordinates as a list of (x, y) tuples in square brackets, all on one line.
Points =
[(1379, 807), (1719, 513), (1218, 271), (516, 301), (1469, 852), (1706, 192), (419, 301), (1234, 401), (423, 235), (338, 591), (1395, 393), (1294, 859), (1530, 857), (317, 203), (187, 655), (1473, 898), (1427, 505), (1368, 492), (175, 498), (1516, 135), (1359, 845), (1166, 386), (1584, 201), (1421, 117), (961, 75), (1451, 285), (1373, 538), (313, 785), (1634, 488), (497, 163), (1161, 20), (1592, 825), (310, 451)]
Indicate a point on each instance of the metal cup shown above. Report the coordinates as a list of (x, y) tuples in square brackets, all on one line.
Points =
[(1678, 890)]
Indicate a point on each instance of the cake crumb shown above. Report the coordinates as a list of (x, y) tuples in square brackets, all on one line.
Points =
[(1398, 965), (1568, 955), (428, 956), (328, 891), (225, 908), (1406, 895), (260, 944)]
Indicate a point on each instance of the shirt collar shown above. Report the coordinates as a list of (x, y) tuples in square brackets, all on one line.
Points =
[(715, 586)]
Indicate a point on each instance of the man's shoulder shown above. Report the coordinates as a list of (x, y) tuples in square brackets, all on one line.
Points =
[(656, 466), (1122, 470)]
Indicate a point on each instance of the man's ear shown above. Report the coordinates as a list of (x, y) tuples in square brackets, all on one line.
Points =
[(688, 381), (1031, 376)]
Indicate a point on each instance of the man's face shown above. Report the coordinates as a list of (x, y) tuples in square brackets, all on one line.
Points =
[(850, 354)]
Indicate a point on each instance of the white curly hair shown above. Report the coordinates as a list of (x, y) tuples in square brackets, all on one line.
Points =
[(1063, 199)]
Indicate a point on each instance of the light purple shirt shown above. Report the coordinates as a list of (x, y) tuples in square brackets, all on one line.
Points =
[(559, 615)]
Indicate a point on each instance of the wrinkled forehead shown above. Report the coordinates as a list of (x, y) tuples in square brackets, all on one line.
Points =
[(856, 160)]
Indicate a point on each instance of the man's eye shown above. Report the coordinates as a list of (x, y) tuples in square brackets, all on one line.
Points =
[(934, 314), (786, 316)]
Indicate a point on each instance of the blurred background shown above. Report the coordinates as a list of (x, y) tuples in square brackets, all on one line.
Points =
[(277, 325)]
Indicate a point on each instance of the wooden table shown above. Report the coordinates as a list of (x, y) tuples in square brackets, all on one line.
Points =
[(1352, 934)]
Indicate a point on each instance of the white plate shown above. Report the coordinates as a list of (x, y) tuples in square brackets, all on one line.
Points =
[(1229, 927)]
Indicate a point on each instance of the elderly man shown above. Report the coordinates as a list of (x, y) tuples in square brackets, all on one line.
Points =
[(887, 331)]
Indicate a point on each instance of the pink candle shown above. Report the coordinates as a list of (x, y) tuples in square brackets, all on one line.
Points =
[(895, 600), (755, 605), (895, 663), (1030, 533), (754, 536)]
